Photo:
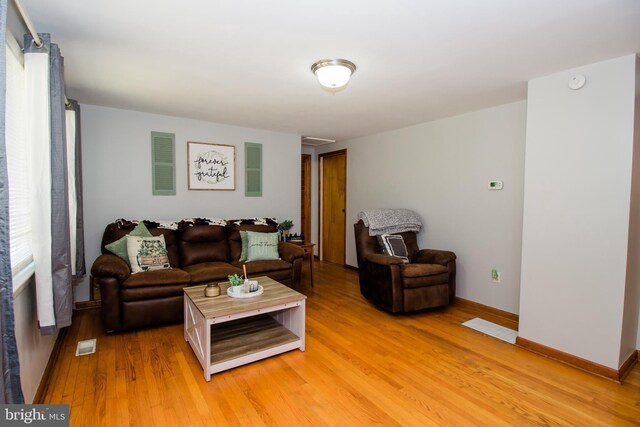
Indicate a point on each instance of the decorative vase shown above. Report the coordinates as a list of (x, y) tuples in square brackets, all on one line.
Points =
[(285, 235), (212, 290)]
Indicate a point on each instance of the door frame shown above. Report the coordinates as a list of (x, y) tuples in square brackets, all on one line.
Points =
[(320, 189), (305, 208)]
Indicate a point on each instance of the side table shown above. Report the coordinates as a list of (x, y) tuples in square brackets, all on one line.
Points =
[(308, 250)]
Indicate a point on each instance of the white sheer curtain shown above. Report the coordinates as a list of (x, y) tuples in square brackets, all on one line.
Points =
[(36, 66)]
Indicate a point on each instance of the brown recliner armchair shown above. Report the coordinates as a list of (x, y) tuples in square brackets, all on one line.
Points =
[(428, 280)]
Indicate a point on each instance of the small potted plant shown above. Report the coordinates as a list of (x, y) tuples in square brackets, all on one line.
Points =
[(284, 228), (236, 282)]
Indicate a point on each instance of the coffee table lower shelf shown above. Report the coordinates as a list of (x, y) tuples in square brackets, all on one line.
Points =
[(230, 341), (248, 338)]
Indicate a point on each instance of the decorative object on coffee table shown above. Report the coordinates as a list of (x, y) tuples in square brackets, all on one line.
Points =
[(212, 290), (240, 292)]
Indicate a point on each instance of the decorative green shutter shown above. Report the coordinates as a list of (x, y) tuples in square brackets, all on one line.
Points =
[(252, 169), (163, 163)]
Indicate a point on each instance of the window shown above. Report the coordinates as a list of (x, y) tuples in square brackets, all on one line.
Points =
[(15, 134)]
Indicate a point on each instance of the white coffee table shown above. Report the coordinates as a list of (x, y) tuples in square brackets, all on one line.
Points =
[(226, 332)]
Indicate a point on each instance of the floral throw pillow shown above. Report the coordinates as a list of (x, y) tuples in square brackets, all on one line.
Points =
[(147, 253)]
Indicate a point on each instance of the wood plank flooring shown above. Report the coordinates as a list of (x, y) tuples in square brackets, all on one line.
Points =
[(361, 367)]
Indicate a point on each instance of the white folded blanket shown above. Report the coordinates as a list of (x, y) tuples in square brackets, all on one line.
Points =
[(390, 221)]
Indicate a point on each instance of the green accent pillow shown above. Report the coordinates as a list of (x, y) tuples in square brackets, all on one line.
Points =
[(262, 246), (243, 254), (119, 247)]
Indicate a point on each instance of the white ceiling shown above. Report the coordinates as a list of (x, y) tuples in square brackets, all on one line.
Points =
[(247, 62)]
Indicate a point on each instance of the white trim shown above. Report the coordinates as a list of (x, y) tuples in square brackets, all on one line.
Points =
[(22, 278)]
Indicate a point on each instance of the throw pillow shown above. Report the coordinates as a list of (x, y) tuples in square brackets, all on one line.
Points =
[(262, 246), (147, 253), (119, 247), (393, 244), (243, 238)]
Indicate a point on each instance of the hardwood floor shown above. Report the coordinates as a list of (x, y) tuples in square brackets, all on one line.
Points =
[(361, 367)]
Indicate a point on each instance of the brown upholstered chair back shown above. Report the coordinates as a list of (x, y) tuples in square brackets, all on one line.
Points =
[(366, 244)]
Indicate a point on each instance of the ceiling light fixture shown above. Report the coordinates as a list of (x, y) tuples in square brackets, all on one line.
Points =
[(333, 73)]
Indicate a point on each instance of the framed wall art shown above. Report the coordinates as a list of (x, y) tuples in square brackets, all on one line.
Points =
[(211, 166)]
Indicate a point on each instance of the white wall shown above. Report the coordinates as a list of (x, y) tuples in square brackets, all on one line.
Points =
[(579, 153), (116, 159), (33, 349), (441, 170)]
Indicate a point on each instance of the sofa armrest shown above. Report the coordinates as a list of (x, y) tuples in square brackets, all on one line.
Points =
[(290, 252), (434, 256), (383, 259), (108, 265)]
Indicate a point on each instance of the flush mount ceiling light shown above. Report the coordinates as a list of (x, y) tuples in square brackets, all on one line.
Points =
[(333, 73)]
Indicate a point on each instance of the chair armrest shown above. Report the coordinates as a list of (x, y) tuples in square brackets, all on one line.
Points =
[(434, 256), (383, 259), (108, 265), (290, 252)]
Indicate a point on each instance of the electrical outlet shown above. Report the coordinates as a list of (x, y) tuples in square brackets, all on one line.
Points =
[(495, 276)]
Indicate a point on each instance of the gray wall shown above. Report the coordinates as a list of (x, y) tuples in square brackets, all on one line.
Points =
[(577, 217), (441, 170), (117, 173)]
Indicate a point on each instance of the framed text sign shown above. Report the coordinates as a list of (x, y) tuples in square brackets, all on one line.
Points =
[(211, 166)]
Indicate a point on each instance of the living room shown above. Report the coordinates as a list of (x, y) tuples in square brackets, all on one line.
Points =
[(435, 160)]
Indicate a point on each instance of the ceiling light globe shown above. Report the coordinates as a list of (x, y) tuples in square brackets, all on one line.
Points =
[(333, 73)]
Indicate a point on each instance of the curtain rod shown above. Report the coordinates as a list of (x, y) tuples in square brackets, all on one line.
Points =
[(27, 22), (36, 38)]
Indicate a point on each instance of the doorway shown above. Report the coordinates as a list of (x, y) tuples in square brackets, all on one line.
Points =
[(332, 181)]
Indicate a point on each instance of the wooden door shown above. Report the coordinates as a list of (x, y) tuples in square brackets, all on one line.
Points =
[(305, 188), (333, 200)]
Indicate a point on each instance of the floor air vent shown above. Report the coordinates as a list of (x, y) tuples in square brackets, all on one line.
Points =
[(496, 331), (86, 347)]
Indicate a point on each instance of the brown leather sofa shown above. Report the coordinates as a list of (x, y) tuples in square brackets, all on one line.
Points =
[(428, 280), (197, 253)]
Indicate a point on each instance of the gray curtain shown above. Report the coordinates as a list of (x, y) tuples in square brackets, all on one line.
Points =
[(10, 389), (81, 267), (60, 238)]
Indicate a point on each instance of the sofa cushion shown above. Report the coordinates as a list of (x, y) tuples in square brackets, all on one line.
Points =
[(260, 267), (422, 270), (152, 294), (119, 247), (203, 243), (122, 227), (157, 277), (211, 271), (262, 225), (147, 253), (243, 239), (393, 244), (262, 246), (420, 275)]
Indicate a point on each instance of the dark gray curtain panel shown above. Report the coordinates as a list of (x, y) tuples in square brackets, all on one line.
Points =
[(10, 388), (60, 238), (81, 267)]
